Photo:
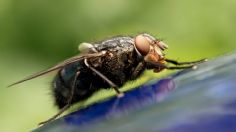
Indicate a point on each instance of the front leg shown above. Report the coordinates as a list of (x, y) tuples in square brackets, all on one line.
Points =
[(160, 66), (185, 63), (137, 70)]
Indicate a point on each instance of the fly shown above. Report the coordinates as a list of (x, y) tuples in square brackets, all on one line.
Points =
[(106, 64)]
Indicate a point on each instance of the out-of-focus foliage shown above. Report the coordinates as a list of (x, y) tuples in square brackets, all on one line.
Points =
[(37, 34)]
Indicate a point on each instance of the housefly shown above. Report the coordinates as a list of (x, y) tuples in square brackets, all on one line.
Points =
[(106, 64)]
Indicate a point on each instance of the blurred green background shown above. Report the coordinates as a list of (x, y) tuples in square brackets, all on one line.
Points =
[(34, 35)]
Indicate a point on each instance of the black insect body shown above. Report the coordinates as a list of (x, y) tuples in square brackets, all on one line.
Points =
[(117, 65), (107, 64)]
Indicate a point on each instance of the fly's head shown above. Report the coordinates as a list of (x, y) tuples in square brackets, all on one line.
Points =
[(150, 48)]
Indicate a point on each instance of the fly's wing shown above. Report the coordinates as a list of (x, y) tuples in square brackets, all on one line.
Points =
[(60, 66)]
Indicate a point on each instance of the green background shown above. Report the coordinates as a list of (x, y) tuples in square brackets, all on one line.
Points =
[(34, 35)]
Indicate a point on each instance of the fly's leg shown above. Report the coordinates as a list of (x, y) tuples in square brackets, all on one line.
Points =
[(68, 101), (114, 86), (137, 70), (185, 63), (180, 67), (160, 66), (56, 115)]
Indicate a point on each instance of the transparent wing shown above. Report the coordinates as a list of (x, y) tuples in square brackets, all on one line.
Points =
[(60, 66)]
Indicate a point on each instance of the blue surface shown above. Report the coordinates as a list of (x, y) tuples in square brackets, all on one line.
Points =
[(190, 100), (117, 105)]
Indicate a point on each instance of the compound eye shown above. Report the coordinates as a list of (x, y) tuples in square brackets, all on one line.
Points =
[(142, 45)]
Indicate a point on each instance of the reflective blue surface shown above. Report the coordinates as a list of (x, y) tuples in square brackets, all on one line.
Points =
[(117, 105), (190, 100)]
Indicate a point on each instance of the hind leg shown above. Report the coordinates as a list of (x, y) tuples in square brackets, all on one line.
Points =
[(68, 104)]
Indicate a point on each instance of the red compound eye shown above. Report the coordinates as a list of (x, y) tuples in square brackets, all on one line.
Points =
[(142, 44)]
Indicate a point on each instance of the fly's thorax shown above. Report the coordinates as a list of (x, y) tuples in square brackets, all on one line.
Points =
[(120, 51), (116, 44)]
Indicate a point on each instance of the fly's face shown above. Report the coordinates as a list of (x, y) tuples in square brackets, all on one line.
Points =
[(150, 48)]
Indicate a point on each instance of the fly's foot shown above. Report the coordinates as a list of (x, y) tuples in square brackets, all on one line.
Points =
[(194, 67), (120, 95)]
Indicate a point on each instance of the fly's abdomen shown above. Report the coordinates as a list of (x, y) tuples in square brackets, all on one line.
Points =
[(62, 84)]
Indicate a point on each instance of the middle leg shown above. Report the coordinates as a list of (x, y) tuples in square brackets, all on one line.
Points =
[(114, 86)]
